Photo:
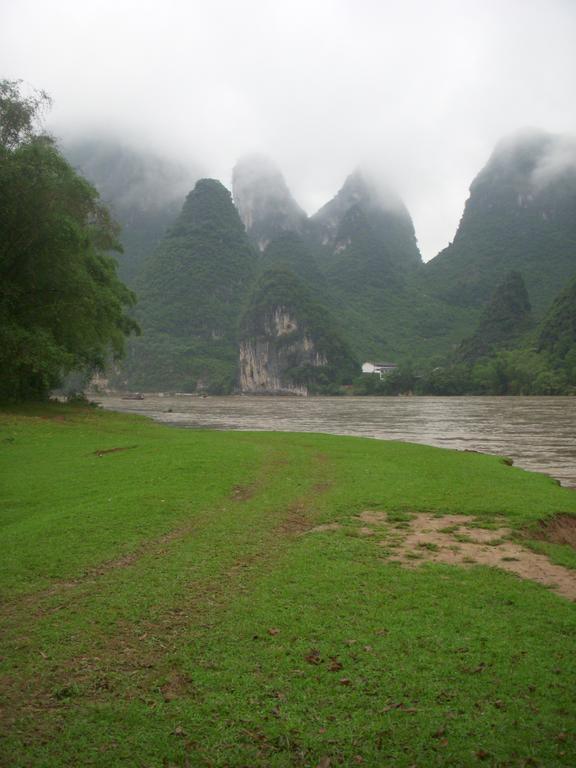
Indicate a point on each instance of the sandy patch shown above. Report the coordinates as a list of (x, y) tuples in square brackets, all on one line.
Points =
[(373, 518), (453, 539)]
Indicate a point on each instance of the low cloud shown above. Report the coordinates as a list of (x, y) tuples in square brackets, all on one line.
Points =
[(418, 91), (558, 159)]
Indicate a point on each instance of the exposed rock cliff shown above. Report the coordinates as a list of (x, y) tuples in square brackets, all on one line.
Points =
[(265, 362), (288, 343)]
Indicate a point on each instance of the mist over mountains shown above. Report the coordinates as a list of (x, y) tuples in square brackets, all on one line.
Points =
[(354, 267), (264, 202), (144, 190), (520, 216)]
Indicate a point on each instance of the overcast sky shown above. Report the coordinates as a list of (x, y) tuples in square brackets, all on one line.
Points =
[(420, 90)]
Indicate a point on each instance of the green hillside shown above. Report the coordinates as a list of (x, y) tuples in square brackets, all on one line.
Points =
[(507, 355), (505, 320), (557, 334), (292, 252)]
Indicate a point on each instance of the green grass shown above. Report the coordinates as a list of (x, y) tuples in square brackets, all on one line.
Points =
[(561, 554), (163, 605)]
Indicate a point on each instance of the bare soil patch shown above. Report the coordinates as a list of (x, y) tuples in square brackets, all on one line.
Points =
[(243, 492), (456, 540)]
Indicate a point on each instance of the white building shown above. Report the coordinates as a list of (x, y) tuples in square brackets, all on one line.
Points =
[(382, 369)]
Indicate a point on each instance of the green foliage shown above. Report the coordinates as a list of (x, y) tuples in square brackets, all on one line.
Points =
[(505, 319), (62, 306), (557, 337), (191, 295), (291, 252), (548, 368), (512, 372), (500, 358), (19, 114)]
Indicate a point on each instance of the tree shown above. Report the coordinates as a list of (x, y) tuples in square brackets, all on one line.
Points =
[(62, 306)]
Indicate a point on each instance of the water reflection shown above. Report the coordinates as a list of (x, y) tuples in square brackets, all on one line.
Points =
[(537, 432)]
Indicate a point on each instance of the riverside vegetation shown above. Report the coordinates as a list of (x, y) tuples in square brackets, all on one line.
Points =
[(62, 306), (189, 598)]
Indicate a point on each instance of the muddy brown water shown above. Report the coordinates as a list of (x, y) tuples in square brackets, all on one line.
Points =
[(539, 433)]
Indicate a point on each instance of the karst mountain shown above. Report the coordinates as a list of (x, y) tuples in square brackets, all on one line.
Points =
[(246, 292)]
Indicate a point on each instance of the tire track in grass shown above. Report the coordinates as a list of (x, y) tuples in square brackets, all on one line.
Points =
[(34, 604), (135, 657)]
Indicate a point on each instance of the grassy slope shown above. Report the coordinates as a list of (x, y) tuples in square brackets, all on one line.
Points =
[(139, 588)]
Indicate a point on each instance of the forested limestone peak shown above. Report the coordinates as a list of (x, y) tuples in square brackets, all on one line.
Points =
[(191, 293), (521, 215), (263, 200), (365, 209), (507, 316), (558, 330), (524, 173), (209, 204), (357, 189)]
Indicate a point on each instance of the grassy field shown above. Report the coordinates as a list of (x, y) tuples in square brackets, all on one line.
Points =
[(184, 598)]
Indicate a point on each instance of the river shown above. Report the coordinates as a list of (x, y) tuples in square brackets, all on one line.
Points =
[(539, 433)]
